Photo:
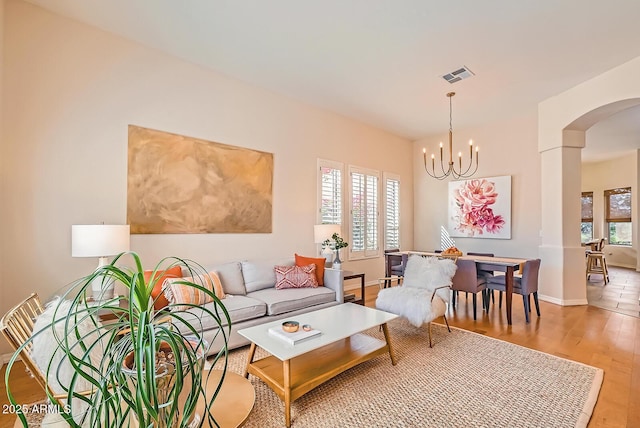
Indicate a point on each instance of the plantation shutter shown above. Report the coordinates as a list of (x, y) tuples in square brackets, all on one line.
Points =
[(392, 214), (365, 211), (358, 211), (372, 213), (330, 195)]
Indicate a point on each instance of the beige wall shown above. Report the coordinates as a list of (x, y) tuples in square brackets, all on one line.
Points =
[(600, 176), (71, 91), (506, 148)]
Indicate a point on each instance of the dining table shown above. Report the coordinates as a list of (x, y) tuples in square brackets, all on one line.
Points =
[(508, 265)]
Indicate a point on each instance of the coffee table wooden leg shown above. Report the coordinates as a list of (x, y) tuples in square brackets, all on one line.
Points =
[(387, 338), (287, 392), (252, 352)]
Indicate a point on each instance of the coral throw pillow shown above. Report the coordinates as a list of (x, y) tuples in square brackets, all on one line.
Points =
[(183, 294), (319, 262), (296, 277), (159, 301)]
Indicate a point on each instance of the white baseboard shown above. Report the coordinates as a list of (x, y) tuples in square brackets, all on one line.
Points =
[(562, 302)]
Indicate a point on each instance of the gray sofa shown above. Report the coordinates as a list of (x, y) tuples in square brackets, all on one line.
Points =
[(252, 299)]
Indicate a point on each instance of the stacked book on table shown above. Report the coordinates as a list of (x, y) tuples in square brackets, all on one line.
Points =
[(295, 337)]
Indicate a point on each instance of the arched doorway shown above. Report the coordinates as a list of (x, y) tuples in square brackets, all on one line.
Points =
[(562, 122)]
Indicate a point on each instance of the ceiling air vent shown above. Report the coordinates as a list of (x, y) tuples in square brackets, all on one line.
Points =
[(455, 76)]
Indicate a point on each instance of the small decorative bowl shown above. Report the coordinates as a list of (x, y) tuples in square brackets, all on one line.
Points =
[(306, 327), (290, 326)]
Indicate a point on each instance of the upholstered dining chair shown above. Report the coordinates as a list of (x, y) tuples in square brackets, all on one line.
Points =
[(424, 293), (396, 266), (468, 280), (525, 286)]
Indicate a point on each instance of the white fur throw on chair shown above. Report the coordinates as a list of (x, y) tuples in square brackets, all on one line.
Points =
[(47, 354), (413, 299)]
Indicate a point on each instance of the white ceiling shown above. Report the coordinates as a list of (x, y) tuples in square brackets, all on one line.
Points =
[(380, 61)]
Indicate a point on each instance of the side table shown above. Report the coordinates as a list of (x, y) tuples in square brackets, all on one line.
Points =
[(233, 403), (353, 275)]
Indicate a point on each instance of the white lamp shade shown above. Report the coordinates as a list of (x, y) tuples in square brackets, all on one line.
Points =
[(322, 232), (99, 240)]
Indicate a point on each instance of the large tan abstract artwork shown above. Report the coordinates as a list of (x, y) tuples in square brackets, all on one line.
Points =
[(178, 184)]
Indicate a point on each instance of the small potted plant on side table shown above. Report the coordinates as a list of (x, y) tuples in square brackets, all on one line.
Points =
[(338, 243)]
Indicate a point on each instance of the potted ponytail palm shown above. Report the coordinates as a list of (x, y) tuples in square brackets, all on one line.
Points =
[(138, 366)]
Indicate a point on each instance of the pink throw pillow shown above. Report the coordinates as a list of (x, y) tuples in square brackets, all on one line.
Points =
[(296, 277)]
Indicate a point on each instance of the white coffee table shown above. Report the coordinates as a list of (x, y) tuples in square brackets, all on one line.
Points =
[(293, 370)]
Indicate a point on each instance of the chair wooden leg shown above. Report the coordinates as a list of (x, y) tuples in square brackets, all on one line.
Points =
[(429, 329), (474, 306), (535, 299), (453, 298), (500, 304), (529, 302), (526, 308)]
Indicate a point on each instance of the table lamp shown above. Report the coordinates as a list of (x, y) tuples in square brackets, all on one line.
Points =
[(322, 232), (102, 241)]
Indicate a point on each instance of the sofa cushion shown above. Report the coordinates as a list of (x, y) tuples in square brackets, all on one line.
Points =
[(319, 262), (240, 308), (295, 276), (231, 277), (183, 295), (291, 299), (259, 274), (159, 301)]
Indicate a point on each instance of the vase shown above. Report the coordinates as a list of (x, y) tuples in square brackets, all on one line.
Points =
[(337, 263)]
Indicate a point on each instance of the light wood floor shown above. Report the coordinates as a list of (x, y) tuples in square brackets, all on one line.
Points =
[(587, 334)]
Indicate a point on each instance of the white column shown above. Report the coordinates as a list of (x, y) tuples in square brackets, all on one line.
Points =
[(562, 274)]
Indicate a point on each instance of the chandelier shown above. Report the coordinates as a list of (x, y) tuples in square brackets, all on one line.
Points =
[(451, 170)]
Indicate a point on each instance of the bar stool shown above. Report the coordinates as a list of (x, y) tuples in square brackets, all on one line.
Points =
[(597, 264)]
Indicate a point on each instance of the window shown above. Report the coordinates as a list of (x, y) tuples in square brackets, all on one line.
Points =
[(330, 192), (364, 213), (586, 226), (391, 211), (618, 215)]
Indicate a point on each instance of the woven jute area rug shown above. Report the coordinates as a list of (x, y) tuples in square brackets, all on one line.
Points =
[(465, 380)]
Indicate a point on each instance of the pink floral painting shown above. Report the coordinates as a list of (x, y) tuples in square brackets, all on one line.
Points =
[(480, 208)]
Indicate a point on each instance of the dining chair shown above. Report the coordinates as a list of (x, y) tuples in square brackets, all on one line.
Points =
[(525, 286), (467, 279), (486, 274), (396, 266)]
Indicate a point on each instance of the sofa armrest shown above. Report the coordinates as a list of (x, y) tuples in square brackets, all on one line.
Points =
[(333, 279)]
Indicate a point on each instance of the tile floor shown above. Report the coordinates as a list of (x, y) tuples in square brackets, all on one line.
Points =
[(621, 294)]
